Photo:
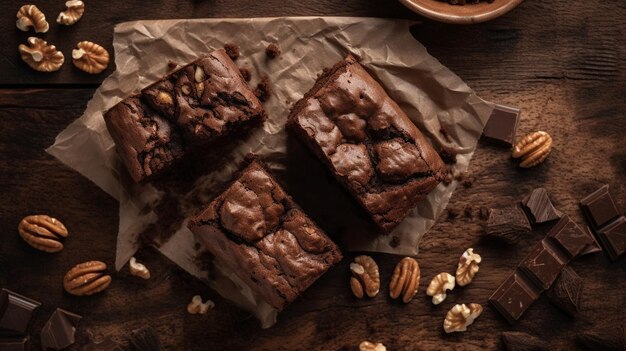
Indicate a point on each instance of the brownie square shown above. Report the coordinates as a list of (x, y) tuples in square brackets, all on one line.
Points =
[(192, 107), (368, 143), (514, 297), (257, 231)]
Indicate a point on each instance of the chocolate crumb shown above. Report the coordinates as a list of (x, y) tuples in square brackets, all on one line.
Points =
[(466, 178), (518, 341), (263, 90), (448, 155), (453, 212), (232, 51), (447, 179), (395, 241), (246, 74), (469, 211), (171, 65), (272, 51)]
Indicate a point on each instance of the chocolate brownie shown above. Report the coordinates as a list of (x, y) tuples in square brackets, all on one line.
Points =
[(368, 142), (194, 106), (257, 231)]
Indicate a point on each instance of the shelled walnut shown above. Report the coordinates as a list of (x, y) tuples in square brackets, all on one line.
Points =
[(533, 149), (31, 16), (405, 280), (196, 306), (40, 56), (438, 286), (370, 346), (365, 277), (87, 278), (90, 57), (138, 269), (43, 232), (468, 267), (74, 12), (461, 316)]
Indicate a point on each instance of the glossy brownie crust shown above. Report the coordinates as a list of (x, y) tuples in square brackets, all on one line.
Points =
[(258, 232), (368, 142), (189, 108)]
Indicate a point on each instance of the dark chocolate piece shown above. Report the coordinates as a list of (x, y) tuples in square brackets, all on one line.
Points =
[(593, 247), (603, 339), (508, 223), (570, 237), (539, 208), (145, 339), (15, 344), (514, 296), (367, 142), (58, 332), (107, 344), (502, 125), (258, 232), (16, 311), (566, 293), (599, 207), (543, 264), (613, 238), (518, 341)]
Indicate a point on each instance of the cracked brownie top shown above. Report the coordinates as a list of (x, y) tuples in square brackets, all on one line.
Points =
[(258, 232), (368, 142)]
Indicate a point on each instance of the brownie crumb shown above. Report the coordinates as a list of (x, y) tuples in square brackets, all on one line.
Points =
[(246, 74), (272, 51), (466, 178), (468, 211), (232, 51), (448, 155), (171, 65), (453, 212), (447, 179), (395, 241), (263, 90)]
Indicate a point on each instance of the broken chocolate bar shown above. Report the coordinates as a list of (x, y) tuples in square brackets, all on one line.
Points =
[(566, 292), (539, 208), (58, 332), (605, 219), (502, 124), (16, 311), (508, 223)]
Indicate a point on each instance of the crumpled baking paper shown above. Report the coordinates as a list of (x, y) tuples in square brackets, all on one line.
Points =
[(434, 98)]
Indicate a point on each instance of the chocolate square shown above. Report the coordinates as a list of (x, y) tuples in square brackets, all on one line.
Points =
[(543, 265), (16, 311), (599, 207), (502, 125), (613, 237), (58, 332), (570, 237), (539, 208), (513, 297)]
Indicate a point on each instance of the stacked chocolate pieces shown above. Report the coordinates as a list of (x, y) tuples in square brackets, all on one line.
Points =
[(16, 312), (607, 221), (188, 109)]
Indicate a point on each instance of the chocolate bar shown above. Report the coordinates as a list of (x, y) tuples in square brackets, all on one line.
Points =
[(16, 311), (606, 221), (58, 332), (539, 208), (15, 344), (502, 125), (538, 271)]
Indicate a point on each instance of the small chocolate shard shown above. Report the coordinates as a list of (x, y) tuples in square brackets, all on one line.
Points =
[(539, 208), (16, 311), (145, 339), (603, 339), (15, 344), (518, 341), (508, 223), (59, 331), (566, 293), (502, 125)]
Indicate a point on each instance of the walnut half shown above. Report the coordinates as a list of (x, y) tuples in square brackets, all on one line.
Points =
[(370, 346), (461, 316), (90, 57), (365, 276), (31, 16), (40, 56), (468, 267), (438, 286), (74, 12)]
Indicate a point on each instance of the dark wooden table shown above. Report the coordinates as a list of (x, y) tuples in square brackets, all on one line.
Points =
[(563, 62)]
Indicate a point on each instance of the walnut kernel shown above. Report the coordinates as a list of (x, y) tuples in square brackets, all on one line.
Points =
[(138, 269), (533, 149), (90, 57), (370, 346), (438, 286), (196, 306), (31, 16), (86, 278), (405, 279), (461, 316), (468, 267), (40, 56), (365, 276), (74, 11)]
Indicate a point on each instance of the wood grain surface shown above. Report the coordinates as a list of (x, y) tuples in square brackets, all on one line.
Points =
[(562, 62)]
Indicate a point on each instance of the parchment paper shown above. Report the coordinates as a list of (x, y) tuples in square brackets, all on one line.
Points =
[(433, 97)]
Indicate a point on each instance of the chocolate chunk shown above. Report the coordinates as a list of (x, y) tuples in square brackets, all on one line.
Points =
[(16, 311), (508, 223), (518, 341), (58, 332), (566, 293), (599, 207), (502, 124), (232, 51), (263, 90), (539, 208), (145, 339), (569, 237), (613, 238), (603, 339), (15, 344), (514, 296), (272, 51), (592, 247), (107, 344), (543, 264)]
